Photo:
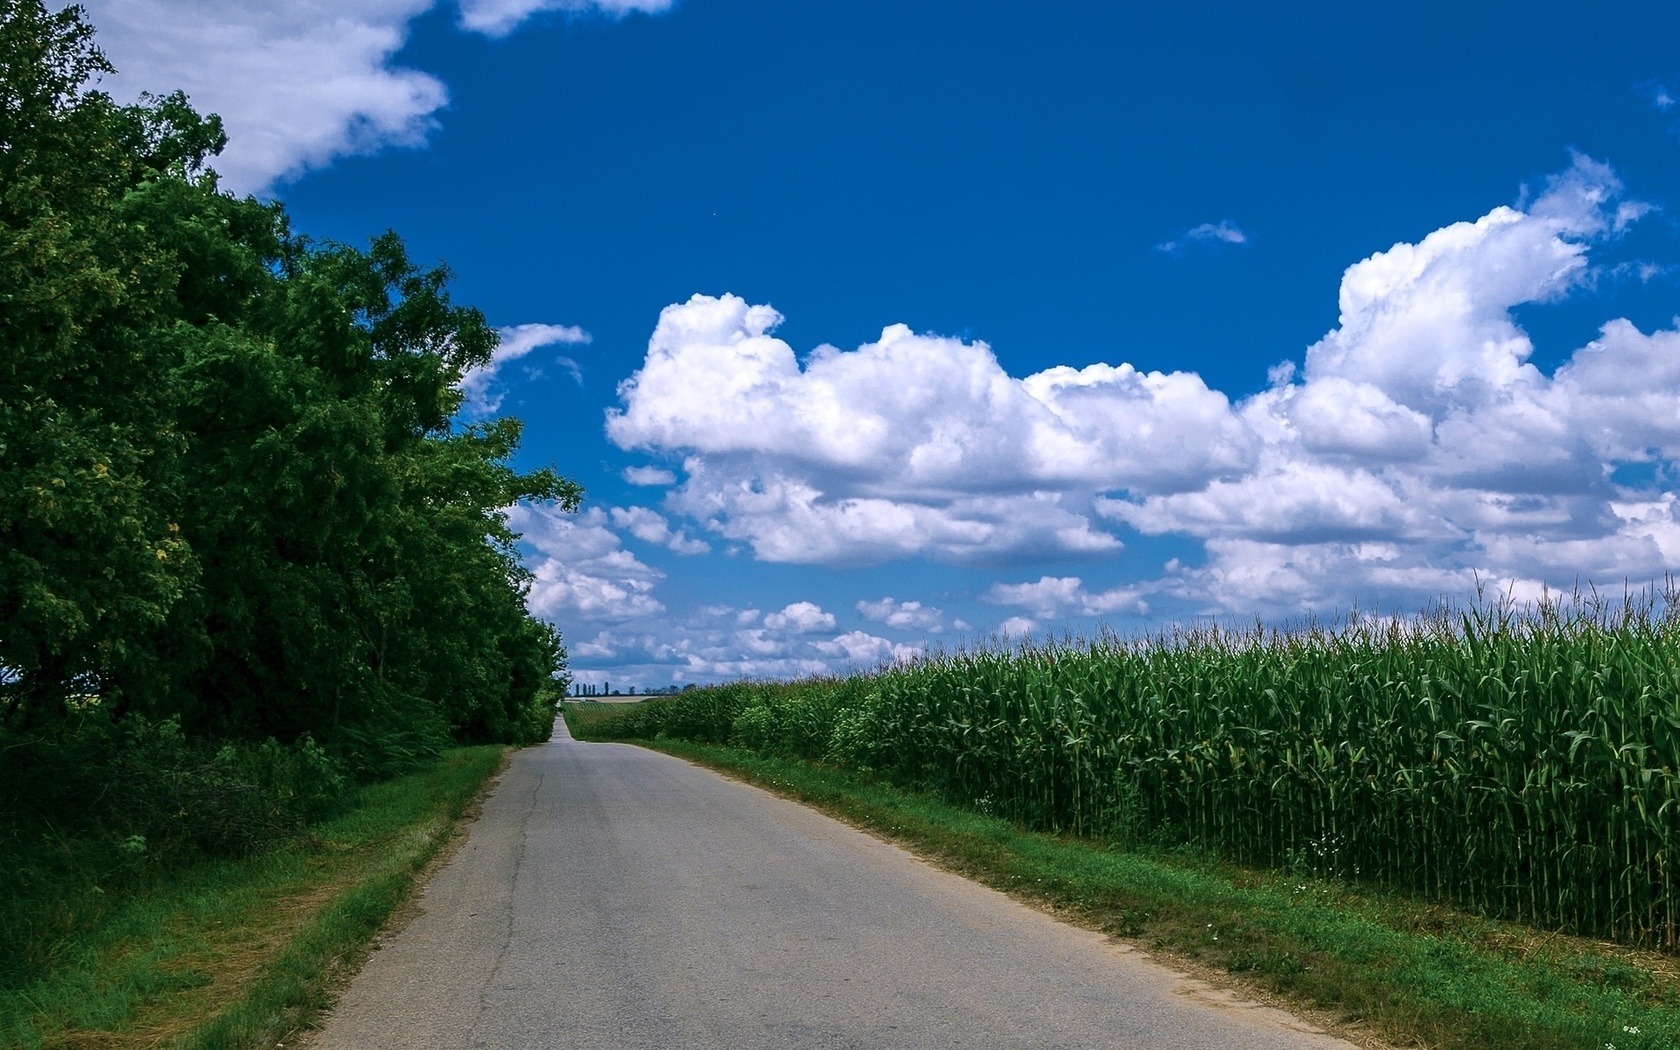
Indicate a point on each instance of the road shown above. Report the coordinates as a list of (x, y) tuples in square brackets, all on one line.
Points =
[(612, 897)]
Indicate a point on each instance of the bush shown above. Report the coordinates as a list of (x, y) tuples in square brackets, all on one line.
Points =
[(100, 805), (145, 787)]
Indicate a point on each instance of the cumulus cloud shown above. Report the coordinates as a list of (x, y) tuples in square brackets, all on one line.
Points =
[(1053, 596), (481, 392), (582, 573), (861, 650), (689, 650), (789, 519), (721, 643), (915, 415), (297, 84), (1017, 628), (1413, 449), (649, 476), (801, 618), (1286, 500), (651, 527), (904, 616), (910, 445), (300, 83), (1420, 447), (603, 598), (501, 17)]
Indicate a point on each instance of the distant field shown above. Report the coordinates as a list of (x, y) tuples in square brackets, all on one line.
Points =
[(590, 714)]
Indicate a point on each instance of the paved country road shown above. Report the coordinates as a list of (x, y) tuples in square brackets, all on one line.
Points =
[(612, 897)]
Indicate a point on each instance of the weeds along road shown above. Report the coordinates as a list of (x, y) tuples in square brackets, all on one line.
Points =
[(611, 897)]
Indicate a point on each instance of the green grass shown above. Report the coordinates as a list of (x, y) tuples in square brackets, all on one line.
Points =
[(239, 953), (1410, 972)]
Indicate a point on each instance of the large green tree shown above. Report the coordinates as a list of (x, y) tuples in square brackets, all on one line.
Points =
[(91, 560), (231, 487)]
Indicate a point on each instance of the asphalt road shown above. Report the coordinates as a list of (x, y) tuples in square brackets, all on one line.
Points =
[(611, 897)]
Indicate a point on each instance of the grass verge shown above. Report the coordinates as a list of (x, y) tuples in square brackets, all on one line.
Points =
[(240, 953), (1375, 966)]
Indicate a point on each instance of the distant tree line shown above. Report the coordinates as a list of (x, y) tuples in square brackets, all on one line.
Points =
[(234, 496)]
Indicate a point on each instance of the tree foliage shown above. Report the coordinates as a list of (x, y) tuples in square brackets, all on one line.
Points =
[(233, 492)]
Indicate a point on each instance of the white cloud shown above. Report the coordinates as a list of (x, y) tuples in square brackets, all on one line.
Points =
[(1017, 628), (1421, 448), (649, 476), (1412, 449), (651, 527), (1287, 499), (912, 414), (1046, 597), (501, 17), (720, 643), (788, 519), (301, 83), (1429, 325), (801, 618), (1053, 596), (689, 651), (297, 84), (861, 650), (904, 616), (1223, 232), (482, 394), (1252, 575), (582, 572), (911, 445)]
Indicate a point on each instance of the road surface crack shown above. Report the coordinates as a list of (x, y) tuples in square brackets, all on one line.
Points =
[(473, 1038)]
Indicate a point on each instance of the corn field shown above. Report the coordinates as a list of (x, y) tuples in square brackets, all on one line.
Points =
[(1521, 763)]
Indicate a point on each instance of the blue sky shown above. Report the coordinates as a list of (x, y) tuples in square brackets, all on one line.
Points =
[(1010, 317)]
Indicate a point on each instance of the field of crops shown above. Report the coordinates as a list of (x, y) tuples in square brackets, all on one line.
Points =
[(1522, 763)]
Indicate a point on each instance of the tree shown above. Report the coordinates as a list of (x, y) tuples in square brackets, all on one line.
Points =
[(232, 491), (90, 557)]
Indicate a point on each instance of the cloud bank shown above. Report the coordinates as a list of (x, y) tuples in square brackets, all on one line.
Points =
[(1414, 446), (602, 596), (914, 445)]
